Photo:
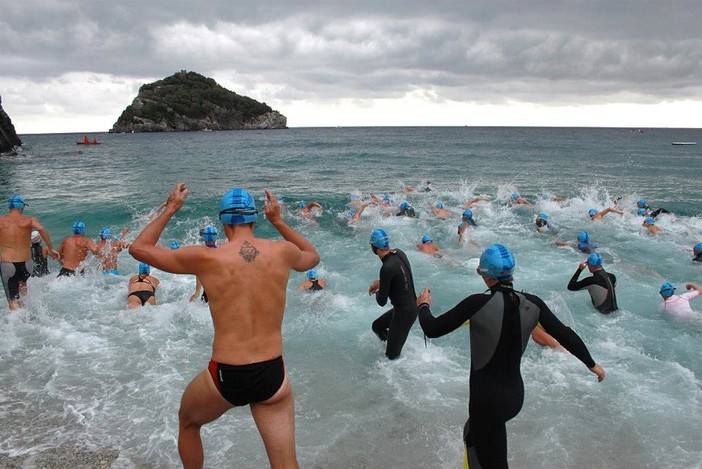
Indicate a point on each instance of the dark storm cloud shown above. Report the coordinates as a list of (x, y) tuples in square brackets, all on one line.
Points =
[(558, 52)]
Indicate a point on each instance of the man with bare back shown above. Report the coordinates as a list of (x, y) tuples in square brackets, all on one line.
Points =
[(74, 250), (15, 252), (246, 281)]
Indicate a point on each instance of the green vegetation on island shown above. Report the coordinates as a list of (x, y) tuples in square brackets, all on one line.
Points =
[(188, 101)]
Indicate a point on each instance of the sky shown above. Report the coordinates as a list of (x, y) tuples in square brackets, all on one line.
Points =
[(70, 66)]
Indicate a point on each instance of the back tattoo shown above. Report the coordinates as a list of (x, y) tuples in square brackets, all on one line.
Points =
[(248, 251)]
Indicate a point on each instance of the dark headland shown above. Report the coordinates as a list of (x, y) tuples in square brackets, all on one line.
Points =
[(188, 101), (8, 137)]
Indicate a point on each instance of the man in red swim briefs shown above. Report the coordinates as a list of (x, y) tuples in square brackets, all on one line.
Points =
[(247, 364)]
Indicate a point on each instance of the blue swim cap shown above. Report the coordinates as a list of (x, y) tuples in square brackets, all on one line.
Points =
[(594, 259), (641, 203), (386, 198), (79, 228), (667, 290), (402, 185), (175, 245), (237, 207), (468, 213), (697, 249), (105, 233), (209, 234), (405, 205), (545, 197), (311, 274), (426, 239), (515, 195), (497, 262), (302, 204), (543, 216), (16, 201), (592, 212), (350, 214), (641, 212), (144, 269), (379, 239), (439, 204), (650, 220), (583, 237)]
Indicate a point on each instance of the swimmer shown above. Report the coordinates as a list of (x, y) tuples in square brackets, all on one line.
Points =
[(246, 280), (542, 224), (500, 323), (678, 305), (552, 198), (466, 221), (595, 215), (697, 251), (353, 217), (406, 210), (74, 250), (440, 211), (583, 245), (209, 235), (641, 204), (405, 188), (175, 245), (313, 282), (39, 256), (109, 248), (516, 199), (142, 288), (427, 246), (397, 285), (383, 202), (306, 209), (15, 253), (601, 285), (470, 203), (650, 224)]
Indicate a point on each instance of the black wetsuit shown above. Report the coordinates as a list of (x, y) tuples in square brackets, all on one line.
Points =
[(697, 258), (41, 266), (315, 286), (396, 283), (406, 212), (501, 322), (601, 288)]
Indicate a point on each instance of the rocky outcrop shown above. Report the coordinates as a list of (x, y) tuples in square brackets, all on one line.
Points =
[(187, 101), (8, 137)]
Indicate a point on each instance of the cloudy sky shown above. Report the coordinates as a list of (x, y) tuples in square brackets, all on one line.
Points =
[(69, 66)]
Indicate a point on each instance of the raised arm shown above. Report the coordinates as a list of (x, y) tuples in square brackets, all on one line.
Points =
[(145, 248), (308, 256)]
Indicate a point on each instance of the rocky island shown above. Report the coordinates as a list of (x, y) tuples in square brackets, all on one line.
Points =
[(188, 101), (8, 137)]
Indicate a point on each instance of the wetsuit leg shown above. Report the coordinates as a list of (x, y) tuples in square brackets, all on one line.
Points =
[(381, 326), (402, 321), (7, 271)]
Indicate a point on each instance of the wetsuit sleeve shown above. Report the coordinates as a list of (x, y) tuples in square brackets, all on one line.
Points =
[(613, 279), (562, 333), (574, 285), (386, 275), (451, 319)]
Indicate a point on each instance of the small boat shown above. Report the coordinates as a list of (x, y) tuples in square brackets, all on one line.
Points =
[(684, 143), (87, 141)]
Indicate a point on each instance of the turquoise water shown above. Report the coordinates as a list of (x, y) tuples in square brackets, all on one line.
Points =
[(76, 367)]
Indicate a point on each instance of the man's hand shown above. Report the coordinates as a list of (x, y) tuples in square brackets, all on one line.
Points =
[(271, 208), (599, 371), (374, 287), (177, 197), (582, 265), (424, 297)]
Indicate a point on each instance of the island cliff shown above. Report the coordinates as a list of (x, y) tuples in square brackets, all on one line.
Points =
[(188, 101), (8, 137)]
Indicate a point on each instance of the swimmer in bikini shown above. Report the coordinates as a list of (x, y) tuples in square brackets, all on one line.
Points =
[(142, 288), (15, 253), (246, 281)]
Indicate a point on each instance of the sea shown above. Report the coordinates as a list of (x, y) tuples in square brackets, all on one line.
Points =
[(79, 370)]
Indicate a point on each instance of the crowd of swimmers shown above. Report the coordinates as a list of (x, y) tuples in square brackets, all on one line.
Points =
[(244, 281)]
